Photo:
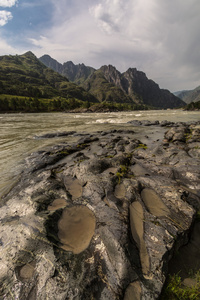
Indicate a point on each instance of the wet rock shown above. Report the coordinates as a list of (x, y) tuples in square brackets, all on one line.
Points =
[(97, 166), (26, 272), (101, 217), (177, 134), (56, 204), (53, 135), (133, 292), (135, 122), (73, 186), (76, 228), (166, 123), (138, 170), (153, 203), (120, 191), (150, 123), (143, 123), (137, 230)]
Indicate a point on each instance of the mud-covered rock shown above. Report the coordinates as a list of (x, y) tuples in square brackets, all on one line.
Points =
[(54, 135), (100, 218)]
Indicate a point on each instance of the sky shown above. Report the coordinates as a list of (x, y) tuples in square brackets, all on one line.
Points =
[(158, 37)]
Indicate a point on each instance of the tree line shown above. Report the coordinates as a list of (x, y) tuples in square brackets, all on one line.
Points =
[(34, 104), (11, 103)]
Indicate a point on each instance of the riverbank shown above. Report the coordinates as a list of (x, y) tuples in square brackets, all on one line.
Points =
[(18, 131), (103, 215)]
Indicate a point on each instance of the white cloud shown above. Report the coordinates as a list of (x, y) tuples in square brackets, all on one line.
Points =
[(8, 3), (6, 48), (130, 18), (5, 16), (109, 15), (158, 37)]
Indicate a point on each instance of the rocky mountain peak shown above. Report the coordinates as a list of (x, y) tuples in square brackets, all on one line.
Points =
[(69, 64), (76, 73), (133, 73), (51, 63), (29, 54), (111, 74), (134, 84), (109, 69)]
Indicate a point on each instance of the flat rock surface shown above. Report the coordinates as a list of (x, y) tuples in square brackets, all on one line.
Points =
[(76, 228), (101, 218)]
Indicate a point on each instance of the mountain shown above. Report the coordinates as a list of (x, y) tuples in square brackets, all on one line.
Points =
[(51, 63), (93, 81), (181, 94), (138, 87), (75, 73), (108, 84), (104, 90), (25, 75), (189, 96)]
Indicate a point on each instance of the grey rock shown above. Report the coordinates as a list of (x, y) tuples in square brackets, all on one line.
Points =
[(143, 202), (53, 135)]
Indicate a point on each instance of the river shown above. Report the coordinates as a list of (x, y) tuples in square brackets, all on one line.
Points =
[(18, 132)]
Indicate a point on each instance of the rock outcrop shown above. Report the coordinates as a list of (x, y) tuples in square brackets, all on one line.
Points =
[(76, 73), (100, 218), (136, 85)]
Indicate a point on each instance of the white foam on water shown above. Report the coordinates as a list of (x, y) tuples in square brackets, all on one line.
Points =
[(80, 116), (106, 121)]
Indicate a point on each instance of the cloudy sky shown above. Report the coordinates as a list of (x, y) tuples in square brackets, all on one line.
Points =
[(158, 37)]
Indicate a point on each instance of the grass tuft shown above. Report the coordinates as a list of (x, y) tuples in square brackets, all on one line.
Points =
[(177, 290)]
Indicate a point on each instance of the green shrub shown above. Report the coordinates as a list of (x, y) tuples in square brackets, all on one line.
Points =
[(176, 290)]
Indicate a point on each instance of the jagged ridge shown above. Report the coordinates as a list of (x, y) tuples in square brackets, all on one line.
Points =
[(132, 85)]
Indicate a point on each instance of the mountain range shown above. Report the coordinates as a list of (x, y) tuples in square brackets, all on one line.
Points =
[(108, 84), (189, 96), (45, 78)]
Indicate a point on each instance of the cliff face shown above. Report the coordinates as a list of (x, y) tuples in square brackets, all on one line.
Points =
[(51, 63), (141, 89), (103, 90), (75, 73), (132, 86)]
